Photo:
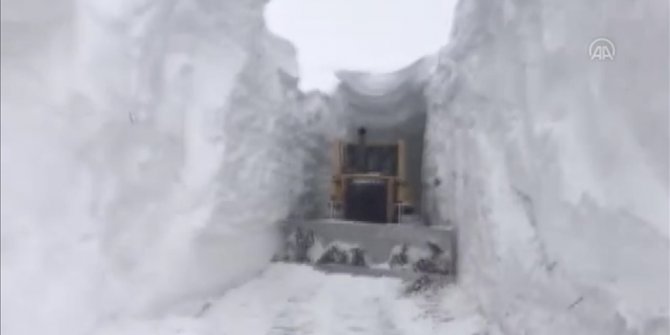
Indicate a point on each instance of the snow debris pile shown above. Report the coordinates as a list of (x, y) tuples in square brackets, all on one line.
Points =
[(148, 149), (555, 166)]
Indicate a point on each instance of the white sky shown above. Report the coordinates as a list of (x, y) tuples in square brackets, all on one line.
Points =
[(369, 35)]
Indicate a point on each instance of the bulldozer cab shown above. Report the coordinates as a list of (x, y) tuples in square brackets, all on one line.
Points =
[(368, 183)]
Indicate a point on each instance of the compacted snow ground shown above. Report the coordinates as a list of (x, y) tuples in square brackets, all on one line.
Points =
[(295, 299)]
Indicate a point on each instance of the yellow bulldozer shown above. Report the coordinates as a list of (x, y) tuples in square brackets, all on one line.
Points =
[(368, 184), (373, 227)]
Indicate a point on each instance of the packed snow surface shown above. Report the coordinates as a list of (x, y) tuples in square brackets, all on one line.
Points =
[(297, 300)]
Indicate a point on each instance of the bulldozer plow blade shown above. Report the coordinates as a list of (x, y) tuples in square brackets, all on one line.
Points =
[(405, 251)]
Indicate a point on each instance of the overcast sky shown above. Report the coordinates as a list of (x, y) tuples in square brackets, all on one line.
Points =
[(369, 35)]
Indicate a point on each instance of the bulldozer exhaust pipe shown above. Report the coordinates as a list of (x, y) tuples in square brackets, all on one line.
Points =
[(362, 158)]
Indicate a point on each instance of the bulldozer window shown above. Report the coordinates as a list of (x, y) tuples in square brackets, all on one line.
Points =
[(379, 159)]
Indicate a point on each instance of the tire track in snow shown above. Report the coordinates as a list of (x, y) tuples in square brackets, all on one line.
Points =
[(297, 300), (337, 305), (357, 305), (386, 323), (295, 318)]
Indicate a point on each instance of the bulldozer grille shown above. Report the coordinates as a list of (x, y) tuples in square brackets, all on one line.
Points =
[(366, 200)]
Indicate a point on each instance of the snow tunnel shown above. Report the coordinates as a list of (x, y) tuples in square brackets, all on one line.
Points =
[(391, 106)]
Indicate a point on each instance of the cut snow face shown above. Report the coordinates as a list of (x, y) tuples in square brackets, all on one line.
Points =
[(362, 35), (141, 150), (551, 163)]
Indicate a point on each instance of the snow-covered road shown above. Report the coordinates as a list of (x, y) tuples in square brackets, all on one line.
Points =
[(293, 299)]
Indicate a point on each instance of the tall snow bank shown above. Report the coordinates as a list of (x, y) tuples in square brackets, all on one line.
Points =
[(555, 167), (148, 150)]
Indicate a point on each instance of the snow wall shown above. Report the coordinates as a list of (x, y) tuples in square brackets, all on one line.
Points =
[(148, 150), (555, 167)]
